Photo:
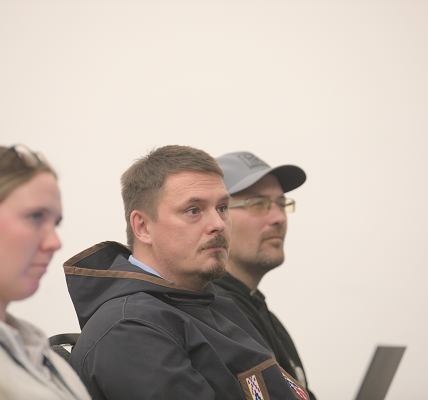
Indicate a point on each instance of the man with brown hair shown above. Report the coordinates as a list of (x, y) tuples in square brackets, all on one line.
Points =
[(152, 326)]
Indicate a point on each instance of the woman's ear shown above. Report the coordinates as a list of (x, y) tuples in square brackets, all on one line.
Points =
[(140, 223)]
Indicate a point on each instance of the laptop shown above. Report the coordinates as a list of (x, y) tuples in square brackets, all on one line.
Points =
[(379, 375)]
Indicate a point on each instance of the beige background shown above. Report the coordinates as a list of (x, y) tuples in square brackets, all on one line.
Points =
[(336, 87)]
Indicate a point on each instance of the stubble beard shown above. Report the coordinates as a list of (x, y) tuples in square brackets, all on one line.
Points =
[(263, 261), (218, 269), (269, 255), (267, 262)]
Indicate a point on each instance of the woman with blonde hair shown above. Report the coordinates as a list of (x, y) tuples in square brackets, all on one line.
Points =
[(30, 210)]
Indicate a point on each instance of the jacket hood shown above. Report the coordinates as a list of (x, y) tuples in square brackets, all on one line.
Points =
[(103, 272)]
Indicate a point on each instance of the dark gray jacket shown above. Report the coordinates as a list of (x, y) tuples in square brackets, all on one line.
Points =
[(254, 306), (145, 338)]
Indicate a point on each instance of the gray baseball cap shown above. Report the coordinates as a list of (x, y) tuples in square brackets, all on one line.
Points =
[(242, 169)]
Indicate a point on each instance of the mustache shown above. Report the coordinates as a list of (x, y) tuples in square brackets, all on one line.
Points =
[(271, 234), (218, 241)]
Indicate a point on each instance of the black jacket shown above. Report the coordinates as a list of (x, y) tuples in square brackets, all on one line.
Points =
[(273, 332), (146, 338)]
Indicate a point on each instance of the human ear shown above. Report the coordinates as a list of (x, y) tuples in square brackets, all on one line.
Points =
[(140, 226)]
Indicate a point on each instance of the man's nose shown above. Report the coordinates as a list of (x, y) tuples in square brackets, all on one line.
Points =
[(277, 215), (217, 222)]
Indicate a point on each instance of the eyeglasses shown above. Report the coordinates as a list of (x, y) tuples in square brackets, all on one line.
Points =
[(261, 205), (27, 157)]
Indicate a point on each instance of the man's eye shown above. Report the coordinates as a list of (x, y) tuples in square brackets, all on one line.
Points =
[(223, 209), (192, 211), (258, 203), (281, 203)]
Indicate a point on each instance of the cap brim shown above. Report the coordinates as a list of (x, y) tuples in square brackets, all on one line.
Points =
[(289, 176)]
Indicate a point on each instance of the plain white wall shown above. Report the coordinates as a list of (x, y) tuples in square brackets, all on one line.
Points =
[(336, 87)]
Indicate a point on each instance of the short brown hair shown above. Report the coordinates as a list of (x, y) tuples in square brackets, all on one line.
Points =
[(143, 182), (15, 171)]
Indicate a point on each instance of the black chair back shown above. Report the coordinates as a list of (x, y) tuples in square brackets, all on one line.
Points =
[(63, 344)]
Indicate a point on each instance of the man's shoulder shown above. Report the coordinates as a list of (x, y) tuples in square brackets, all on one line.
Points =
[(136, 306), (117, 317)]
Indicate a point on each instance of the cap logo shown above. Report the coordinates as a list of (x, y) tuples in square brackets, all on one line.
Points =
[(252, 161)]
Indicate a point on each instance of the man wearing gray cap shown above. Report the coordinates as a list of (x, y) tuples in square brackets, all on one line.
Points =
[(259, 222)]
